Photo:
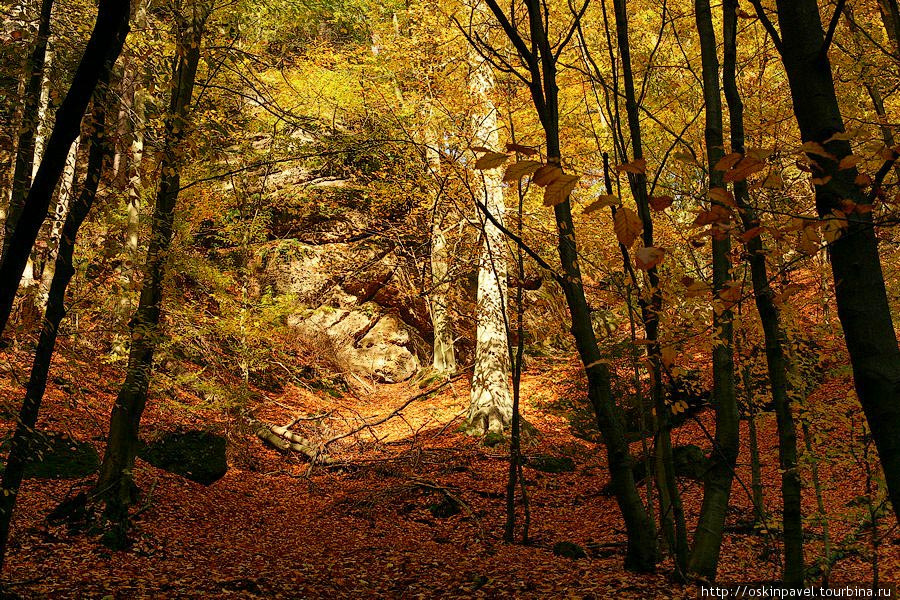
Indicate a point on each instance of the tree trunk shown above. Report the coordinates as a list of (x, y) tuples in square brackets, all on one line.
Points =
[(671, 512), (490, 407), (116, 482), (860, 294), (792, 515), (135, 192), (20, 450), (717, 488), (22, 171), (890, 16), (641, 554), (106, 41), (56, 226), (444, 355)]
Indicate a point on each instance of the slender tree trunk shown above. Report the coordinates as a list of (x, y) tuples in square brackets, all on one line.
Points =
[(444, 360), (671, 512), (54, 236), (135, 190), (22, 171), (717, 488), (890, 16), (490, 407), (20, 450), (756, 484), (116, 482), (110, 28), (642, 553), (792, 516), (860, 293)]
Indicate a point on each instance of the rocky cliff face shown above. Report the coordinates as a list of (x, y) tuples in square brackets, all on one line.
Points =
[(353, 290)]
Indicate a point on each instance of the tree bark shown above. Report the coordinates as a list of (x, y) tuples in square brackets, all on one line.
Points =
[(890, 17), (860, 294), (116, 483), (106, 41), (22, 171), (490, 407), (792, 515), (717, 489), (671, 511), (642, 553), (54, 236), (53, 315), (444, 355)]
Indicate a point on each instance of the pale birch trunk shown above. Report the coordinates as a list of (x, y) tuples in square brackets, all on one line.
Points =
[(134, 183), (56, 226), (490, 408), (29, 277), (444, 354)]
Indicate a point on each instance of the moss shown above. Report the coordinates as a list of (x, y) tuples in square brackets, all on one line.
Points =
[(57, 456)]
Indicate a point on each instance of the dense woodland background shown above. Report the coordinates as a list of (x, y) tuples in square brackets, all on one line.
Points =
[(342, 298)]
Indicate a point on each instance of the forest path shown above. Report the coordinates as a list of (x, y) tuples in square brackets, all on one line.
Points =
[(380, 524)]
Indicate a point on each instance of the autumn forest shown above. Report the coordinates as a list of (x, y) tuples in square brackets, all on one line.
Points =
[(449, 298)]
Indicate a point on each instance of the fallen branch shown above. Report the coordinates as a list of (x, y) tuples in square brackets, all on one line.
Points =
[(394, 413), (282, 438)]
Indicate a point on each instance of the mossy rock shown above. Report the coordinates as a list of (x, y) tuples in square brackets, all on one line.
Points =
[(551, 464), (493, 438), (689, 461), (195, 455), (446, 508), (55, 455), (569, 550)]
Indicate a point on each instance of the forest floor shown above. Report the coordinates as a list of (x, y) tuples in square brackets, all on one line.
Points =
[(371, 526)]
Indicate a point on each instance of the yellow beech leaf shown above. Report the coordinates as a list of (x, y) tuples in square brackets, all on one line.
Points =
[(627, 226), (649, 257), (638, 167), (523, 150), (773, 182), (685, 157), (817, 149), (491, 160), (728, 161), (660, 203), (722, 196), (716, 214), (559, 189), (667, 355), (731, 293), (546, 175), (517, 171), (809, 242), (834, 225), (751, 234), (849, 161), (601, 202), (744, 169)]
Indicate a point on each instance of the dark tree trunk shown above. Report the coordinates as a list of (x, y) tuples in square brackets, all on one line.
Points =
[(860, 294), (642, 553), (717, 488), (792, 516), (103, 48), (671, 512), (34, 71), (53, 315), (116, 483), (890, 16)]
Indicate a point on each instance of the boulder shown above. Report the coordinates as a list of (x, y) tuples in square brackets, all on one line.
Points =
[(569, 550), (57, 456), (362, 340), (195, 455)]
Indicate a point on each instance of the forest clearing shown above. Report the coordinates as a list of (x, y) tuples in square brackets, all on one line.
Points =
[(449, 298)]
